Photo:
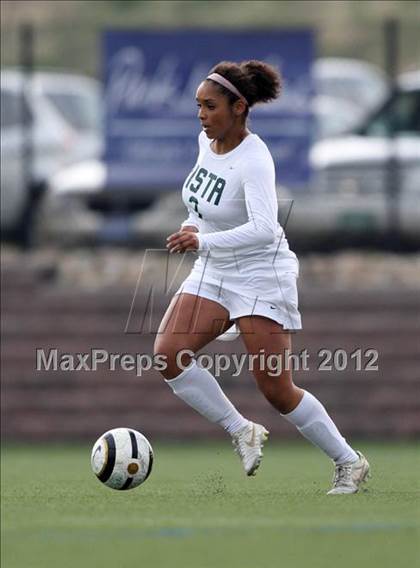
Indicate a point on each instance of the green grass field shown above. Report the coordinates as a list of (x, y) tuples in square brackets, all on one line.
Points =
[(198, 510)]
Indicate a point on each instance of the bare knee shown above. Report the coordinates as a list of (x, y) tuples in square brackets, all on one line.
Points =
[(175, 358), (280, 392), (281, 399)]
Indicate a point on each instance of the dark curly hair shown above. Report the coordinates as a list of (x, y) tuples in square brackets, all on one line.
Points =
[(257, 81)]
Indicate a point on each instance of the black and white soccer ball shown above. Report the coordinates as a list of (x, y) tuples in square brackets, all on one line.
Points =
[(122, 458)]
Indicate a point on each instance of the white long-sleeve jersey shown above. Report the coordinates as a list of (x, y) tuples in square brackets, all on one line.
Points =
[(231, 199)]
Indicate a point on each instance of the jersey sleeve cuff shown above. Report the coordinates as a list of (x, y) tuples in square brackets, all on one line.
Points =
[(202, 244)]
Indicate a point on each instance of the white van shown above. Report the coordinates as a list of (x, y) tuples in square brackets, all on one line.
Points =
[(64, 111)]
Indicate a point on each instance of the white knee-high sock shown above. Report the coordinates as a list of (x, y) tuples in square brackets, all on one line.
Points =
[(313, 422), (198, 388)]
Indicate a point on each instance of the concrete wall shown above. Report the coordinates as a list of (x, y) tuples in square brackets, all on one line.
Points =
[(41, 406)]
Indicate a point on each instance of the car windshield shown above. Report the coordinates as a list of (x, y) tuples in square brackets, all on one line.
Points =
[(81, 112), (401, 115)]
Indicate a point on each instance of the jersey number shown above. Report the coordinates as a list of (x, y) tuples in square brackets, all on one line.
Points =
[(195, 201)]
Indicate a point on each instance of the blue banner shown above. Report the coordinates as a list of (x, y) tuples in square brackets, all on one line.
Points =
[(151, 116)]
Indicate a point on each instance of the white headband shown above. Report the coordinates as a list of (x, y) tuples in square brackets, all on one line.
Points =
[(227, 84)]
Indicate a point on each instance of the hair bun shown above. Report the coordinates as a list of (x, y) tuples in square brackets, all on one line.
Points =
[(264, 77), (257, 81)]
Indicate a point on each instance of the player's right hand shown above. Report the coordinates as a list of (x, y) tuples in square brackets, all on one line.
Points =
[(182, 241)]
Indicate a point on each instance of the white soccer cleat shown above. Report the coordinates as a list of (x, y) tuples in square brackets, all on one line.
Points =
[(230, 334), (349, 476), (248, 443)]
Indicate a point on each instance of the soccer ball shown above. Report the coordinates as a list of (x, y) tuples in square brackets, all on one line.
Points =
[(122, 458)]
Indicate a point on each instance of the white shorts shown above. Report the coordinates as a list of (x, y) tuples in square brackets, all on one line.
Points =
[(285, 312)]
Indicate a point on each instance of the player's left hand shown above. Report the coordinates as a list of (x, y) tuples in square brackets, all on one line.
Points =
[(182, 241)]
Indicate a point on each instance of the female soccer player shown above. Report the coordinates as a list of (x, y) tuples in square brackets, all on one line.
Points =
[(245, 274)]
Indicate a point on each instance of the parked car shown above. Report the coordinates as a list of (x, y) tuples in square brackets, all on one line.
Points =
[(349, 192), (80, 206), (64, 111)]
